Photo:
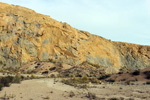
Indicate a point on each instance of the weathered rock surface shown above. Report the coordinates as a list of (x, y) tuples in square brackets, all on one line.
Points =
[(27, 36)]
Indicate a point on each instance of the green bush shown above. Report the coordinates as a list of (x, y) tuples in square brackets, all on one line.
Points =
[(128, 82), (32, 76), (52, 76), (17, 79), (1, 62), (6, 80), (1, 86), (76, 82), (84, 79), (94, 80)]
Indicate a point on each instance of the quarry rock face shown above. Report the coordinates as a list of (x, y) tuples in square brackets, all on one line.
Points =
[(27, 36)]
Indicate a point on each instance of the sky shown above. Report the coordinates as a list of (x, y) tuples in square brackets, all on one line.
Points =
[(117, 20)]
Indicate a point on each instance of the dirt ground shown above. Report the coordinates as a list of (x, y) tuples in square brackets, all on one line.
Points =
[(46, 89)]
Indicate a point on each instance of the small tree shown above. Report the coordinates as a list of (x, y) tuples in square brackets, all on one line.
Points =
[(84, 78), (17, 79), (94, 80), (32, 76)]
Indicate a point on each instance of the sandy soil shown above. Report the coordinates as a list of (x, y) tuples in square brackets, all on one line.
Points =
[(45, 89)]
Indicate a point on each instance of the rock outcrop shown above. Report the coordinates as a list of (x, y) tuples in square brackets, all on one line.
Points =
[(27, 36)]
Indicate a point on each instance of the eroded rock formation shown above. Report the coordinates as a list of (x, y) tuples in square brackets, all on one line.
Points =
[(27, 36)]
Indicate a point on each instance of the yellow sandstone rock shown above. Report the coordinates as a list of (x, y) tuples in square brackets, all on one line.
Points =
[(28, 36)]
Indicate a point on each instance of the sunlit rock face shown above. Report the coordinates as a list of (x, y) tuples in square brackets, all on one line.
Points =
[(27, 36)]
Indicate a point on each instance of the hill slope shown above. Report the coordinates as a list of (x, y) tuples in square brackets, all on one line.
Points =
[(28, 36)]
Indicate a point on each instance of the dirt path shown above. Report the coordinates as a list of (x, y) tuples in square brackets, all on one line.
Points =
[(41, 89), (45, 89)]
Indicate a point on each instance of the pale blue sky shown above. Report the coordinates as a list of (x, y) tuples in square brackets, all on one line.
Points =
[(118, 20)]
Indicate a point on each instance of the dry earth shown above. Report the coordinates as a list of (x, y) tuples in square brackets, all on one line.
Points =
[(45, 89)]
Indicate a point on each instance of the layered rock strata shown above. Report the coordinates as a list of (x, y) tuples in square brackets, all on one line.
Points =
[(27, 36)]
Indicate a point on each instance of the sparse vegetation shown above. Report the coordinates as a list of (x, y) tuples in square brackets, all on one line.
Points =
[(94, 80), (32, 76), (17, 79), (29, 72), (80, 82), (6, 81), (1, 86), (1, 62), (53, 76), (128, 82), (9, 70), (84, 79)]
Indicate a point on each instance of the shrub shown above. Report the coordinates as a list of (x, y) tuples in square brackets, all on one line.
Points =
[(52, 76), (94, 80), (17, 79), (1, 86), (74, 77), (83, 86), (29, 72), (32, 76), (1, 62), (6, 80), (23, 77), (84, 79), (76, 82), (60, 76), (128, 82)]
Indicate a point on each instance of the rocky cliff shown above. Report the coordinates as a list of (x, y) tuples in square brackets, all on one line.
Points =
[(27, 36)]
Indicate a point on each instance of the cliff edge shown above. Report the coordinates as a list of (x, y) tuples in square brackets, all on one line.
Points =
[(27, 36)]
